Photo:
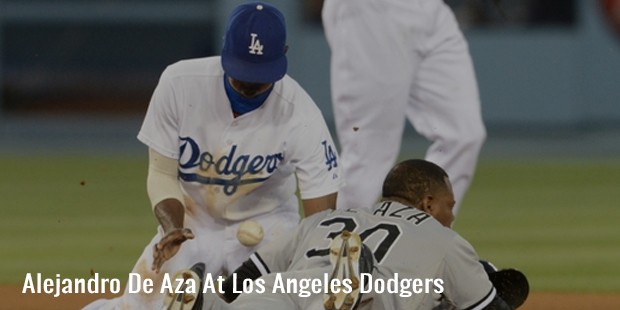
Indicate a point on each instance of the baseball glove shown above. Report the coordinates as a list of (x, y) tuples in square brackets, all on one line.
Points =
[(511, 285)]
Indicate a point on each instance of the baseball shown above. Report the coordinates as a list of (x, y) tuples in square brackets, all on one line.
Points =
[(250, 233)]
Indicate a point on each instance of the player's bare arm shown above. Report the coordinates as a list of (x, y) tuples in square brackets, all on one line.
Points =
[(319, 204)]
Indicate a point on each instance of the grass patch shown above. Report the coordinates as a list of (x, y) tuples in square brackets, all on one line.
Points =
[(72, 216), (554, 220)]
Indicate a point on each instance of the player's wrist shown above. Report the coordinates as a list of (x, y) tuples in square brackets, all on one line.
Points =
[(172, 230), (170, 214)]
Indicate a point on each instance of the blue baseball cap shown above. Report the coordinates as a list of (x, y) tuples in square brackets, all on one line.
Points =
[(255, 44)]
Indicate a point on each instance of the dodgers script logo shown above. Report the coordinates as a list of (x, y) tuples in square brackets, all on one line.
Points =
[(226, 166)]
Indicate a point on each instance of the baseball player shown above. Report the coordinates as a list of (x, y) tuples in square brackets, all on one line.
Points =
[(397, 59), (409, 236), (229, 139)]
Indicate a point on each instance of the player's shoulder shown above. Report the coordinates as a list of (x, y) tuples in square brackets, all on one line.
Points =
[(293, 96), (317, 217), (459, 241), (309, 222), (447, 239), (329, 215), (205, 66)]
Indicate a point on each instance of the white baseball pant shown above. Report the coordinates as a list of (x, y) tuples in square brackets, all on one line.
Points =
[(397, 59)]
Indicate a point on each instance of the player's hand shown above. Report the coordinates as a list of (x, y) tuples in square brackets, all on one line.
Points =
[(169, 245)]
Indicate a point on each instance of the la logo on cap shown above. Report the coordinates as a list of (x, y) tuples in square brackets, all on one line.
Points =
[(255, 47)]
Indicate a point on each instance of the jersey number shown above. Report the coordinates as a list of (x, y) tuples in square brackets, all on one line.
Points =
[(346, 223)]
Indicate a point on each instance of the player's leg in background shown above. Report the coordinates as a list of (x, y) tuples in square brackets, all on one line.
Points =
[(371, 70), (445, 104)]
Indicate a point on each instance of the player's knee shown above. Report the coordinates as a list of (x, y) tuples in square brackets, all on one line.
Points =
[(471, 138), (476, 136)]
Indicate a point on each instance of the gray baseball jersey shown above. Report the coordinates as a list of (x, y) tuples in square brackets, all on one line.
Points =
[(405, 241)]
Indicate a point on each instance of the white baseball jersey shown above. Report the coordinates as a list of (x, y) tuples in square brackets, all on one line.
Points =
[(405, 241), (231, 169), (236, 168), (393, 60)]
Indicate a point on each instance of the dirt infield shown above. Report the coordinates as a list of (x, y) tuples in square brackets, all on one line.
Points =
[(12, 298)]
